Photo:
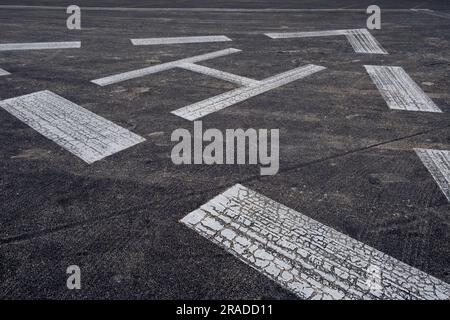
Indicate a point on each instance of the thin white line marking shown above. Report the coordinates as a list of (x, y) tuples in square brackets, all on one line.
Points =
[(399, 91), (433, 13), (161, 67), (4, 72), (243, 81), (178, 40), (224, 100), (438, 164), (40, 45), (83, 133), (303, 255), (361, 40)]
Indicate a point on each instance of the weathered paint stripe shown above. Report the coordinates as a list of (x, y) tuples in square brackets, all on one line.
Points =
[(224, 100), (438, 164), (3, 72), (361, 40), (83, 133), (40, 45), (178, 40), (161, 67), (303, 255), (433, 13), (243, 81), (399, 91)]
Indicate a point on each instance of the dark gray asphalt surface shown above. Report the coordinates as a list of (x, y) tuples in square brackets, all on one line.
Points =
[(346, 159)]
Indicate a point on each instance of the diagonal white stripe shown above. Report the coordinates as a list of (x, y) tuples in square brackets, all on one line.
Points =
[(438, 164)]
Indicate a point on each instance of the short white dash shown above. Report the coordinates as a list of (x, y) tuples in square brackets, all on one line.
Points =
[(178, 40), (438, 164), (399, 91), (40, 45), (3, 72), (361, 40), (303, 255), (227, 99), (83, 133), (161, 67)]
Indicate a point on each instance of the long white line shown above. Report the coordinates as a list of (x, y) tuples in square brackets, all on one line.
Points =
[(268, 10), (361, 40), (161, 67), (243, 81), (178, 40), (438, 164), (399, 91), (83, 133), (227, 99), (40, 45), (3, 72), (303, 255)]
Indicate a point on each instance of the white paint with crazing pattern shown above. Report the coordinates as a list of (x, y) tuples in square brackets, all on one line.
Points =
[(303, 255), (83, 133), (438, 164), (398, 89)]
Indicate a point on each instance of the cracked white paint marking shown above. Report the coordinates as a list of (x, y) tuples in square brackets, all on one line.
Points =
[(438, 164), (303, 255), (161, 67), (224, 100), (361, 40), (243, 81), (40, 45), (399, 91), (178, 40), (3, 72), (83, 133)]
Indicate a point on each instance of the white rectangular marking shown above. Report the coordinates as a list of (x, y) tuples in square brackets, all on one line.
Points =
[(438, 164), (161, 67), (304, 256), (399, 91), (3, 72), (224, 100), (361, 40), (243, 81), (39, 45), (178, 40), (83, 133)]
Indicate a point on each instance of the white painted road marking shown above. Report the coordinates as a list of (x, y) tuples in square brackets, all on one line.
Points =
[(3, 72), (224, 100), (161, 67), (302, 255), (39, 45), (83, 133), (361, 40), (438, 164), (178, 40), (243, 81), (433, 13), (399, 91)]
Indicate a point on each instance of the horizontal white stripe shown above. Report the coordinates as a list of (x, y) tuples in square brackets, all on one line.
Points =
[(243, 81), (399, 91), (438, 164), (83, 133), (40, 45), (268, 10), (361, 40), (303, 255), (224, 100), (161, 67), (3, 72), (178, 40)]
